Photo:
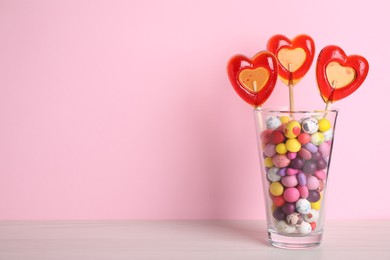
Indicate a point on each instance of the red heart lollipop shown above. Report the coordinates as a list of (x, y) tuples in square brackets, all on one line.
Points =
[(253, 79), (295, 56), (339, 75)]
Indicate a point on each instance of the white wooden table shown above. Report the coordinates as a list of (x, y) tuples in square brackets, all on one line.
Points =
[(369, 239)]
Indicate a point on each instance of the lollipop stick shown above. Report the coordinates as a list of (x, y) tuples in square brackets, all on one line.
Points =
[(327, 107), (290, 88), (329, 103), (255, 85)]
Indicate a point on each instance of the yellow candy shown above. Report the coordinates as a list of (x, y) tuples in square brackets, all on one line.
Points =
[(276, 188), (281, 148), (284, 119), (268, 162), (293, 145), (323, 124), (292, 129), (316, 205)]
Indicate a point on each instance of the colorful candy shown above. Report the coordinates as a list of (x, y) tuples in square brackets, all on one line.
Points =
[(280, 161), (304, 228), (273, 122), (272, 174), (283, 227), (291, 194), (292, 129), (293, 145), (303, 206), (294, 218), (276, 188), (323, 124), (296, 159), (310, 125)]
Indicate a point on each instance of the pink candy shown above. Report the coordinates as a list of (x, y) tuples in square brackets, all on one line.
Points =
[(269, 150), (324, 148), (290, 181), (303, 191), (321, 175), (291, 171), (291, 155), (280, 161), (291, 194), (312, 183)]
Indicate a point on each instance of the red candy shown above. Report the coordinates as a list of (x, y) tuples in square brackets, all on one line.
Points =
[(265, 136), (298, 52), (339, 75), (253, 79), (278, 201), (303, 138), (313, 225), (277, 137)]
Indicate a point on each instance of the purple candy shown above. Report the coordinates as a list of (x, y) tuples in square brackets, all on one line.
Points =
[(311, 147), (288, 208), (282, 172), (314, 196), (301, 178), (279, 214), (321, 164), (297, 163), (310, 167), (316, 156)]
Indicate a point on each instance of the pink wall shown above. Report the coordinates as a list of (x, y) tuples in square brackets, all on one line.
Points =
[(122, 109)]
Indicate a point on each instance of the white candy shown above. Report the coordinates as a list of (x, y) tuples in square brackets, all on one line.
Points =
[(312, 216), (294, 219), (328, 135), (304, 228), (283, 227), (303, 206), (272, 174), (309, 125), (273, 122)]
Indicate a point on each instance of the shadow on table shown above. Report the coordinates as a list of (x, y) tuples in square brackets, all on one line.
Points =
[(249, 230)]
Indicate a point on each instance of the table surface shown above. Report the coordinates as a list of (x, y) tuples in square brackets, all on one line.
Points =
[(357, 239)]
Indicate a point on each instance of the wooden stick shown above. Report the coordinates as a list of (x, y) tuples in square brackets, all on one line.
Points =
[(329, 103), (291, 87), (255, 86)]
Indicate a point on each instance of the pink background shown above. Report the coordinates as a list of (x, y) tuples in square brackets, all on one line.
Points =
[(122, 109)]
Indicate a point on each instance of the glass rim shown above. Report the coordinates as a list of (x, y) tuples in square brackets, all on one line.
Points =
[(296, 111)]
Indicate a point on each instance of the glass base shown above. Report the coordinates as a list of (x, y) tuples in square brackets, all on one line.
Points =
[(295, 241)]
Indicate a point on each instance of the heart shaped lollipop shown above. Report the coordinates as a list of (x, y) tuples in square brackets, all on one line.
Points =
[(339, 75), (295, 56), (253, 79)]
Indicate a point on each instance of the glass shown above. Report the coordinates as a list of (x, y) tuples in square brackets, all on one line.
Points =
[(295, 151)]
